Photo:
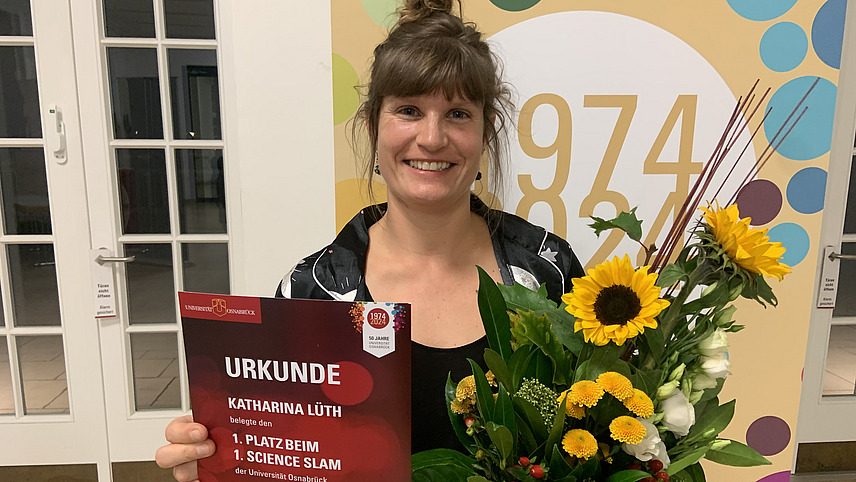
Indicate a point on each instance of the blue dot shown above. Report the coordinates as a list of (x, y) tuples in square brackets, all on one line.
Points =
[(806, 190), (783, 46), (795, 240), (813, 134), (827, 32), (761, 9)]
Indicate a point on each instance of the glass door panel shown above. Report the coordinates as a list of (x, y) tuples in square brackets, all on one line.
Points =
[(167, 196)]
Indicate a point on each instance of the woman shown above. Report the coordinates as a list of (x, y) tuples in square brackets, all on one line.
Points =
[(435, 105)]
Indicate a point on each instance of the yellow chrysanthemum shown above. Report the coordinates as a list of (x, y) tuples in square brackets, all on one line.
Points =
[(616, 385), (572, 409), (627, 429), (749, 248), (614, 302), (585, 392), (491, 378), (579, 443), (640, 404), (575, 411), (466, 388), (461, 406)]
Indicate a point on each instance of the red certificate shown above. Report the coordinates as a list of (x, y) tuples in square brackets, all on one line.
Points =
[(299, 390)]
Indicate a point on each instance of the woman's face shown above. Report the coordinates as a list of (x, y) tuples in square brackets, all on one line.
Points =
[(429, 148)]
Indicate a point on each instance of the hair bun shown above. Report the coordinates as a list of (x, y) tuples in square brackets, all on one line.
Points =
[(414, 10)]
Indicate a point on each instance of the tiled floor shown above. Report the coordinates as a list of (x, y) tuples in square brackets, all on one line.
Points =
[(840, 377)]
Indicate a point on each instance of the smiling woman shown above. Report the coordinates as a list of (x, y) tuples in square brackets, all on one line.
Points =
[(435, 105)]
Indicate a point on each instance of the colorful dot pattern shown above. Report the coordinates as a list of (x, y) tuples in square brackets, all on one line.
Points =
[(783, 47)]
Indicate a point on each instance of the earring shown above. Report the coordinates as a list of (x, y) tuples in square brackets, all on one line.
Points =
[(376, 165), (478, 176)]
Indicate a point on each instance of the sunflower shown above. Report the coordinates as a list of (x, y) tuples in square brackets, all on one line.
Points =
[(627, 429), (747, 247), (579, 443), (616, 385), (640, 404), (614, 302)]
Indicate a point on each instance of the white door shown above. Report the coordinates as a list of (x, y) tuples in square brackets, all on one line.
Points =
[(50, 376), (828, 401), (156, 169)]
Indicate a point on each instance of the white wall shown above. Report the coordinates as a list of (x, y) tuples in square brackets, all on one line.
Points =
[(278, 116)]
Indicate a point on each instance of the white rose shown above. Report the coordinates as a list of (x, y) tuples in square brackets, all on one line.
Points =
[(678, 414), (702, 382), (716, 366), (714, 344), (651, 447)]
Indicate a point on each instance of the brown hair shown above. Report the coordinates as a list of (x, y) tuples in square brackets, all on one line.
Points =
[(430, 50)]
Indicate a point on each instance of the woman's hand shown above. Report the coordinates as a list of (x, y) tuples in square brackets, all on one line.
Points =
[(188, 442)]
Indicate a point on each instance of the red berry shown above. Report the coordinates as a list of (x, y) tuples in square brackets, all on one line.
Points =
[(649, 479), (469, 421), (634, 466), (663, 476), (524, 461), (656, 465), (536, 471)]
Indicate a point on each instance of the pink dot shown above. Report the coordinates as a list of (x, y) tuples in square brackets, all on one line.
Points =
[(760, 200), (777, 477), (768, 435)]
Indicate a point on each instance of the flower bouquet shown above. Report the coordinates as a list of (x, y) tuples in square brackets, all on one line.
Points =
[(620, 382)]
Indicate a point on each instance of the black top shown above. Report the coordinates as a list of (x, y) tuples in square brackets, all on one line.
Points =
[(525, 253), (430, 367)]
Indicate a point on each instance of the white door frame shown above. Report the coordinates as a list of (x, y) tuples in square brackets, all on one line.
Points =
[(830, 419), (78, 437)]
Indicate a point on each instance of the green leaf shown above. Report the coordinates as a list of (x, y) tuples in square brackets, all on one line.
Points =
[(625, 221), (536, 329), (526, 436), (693, 473), (540, 367), (519, 297), (494, 315), (484, 395), (533, 418), (477, 478), (670, 275), (712, 421), (558, 465), (517, 365), (501, 438), (765, 292), (497, 365), (440, 464), (556, 432), (562, 324), (736, 454), (602, 359), (655, 343), (687, 460), (712, 393), (456, 419), (628, 476), (504, 412), (647, 380), (428, 458), (590, 469)]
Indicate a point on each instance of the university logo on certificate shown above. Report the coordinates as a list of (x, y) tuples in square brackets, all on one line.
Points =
[(299, 390)]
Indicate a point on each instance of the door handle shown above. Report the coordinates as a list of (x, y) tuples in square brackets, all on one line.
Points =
[(55, 134), (845, 257), (114, 259)]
